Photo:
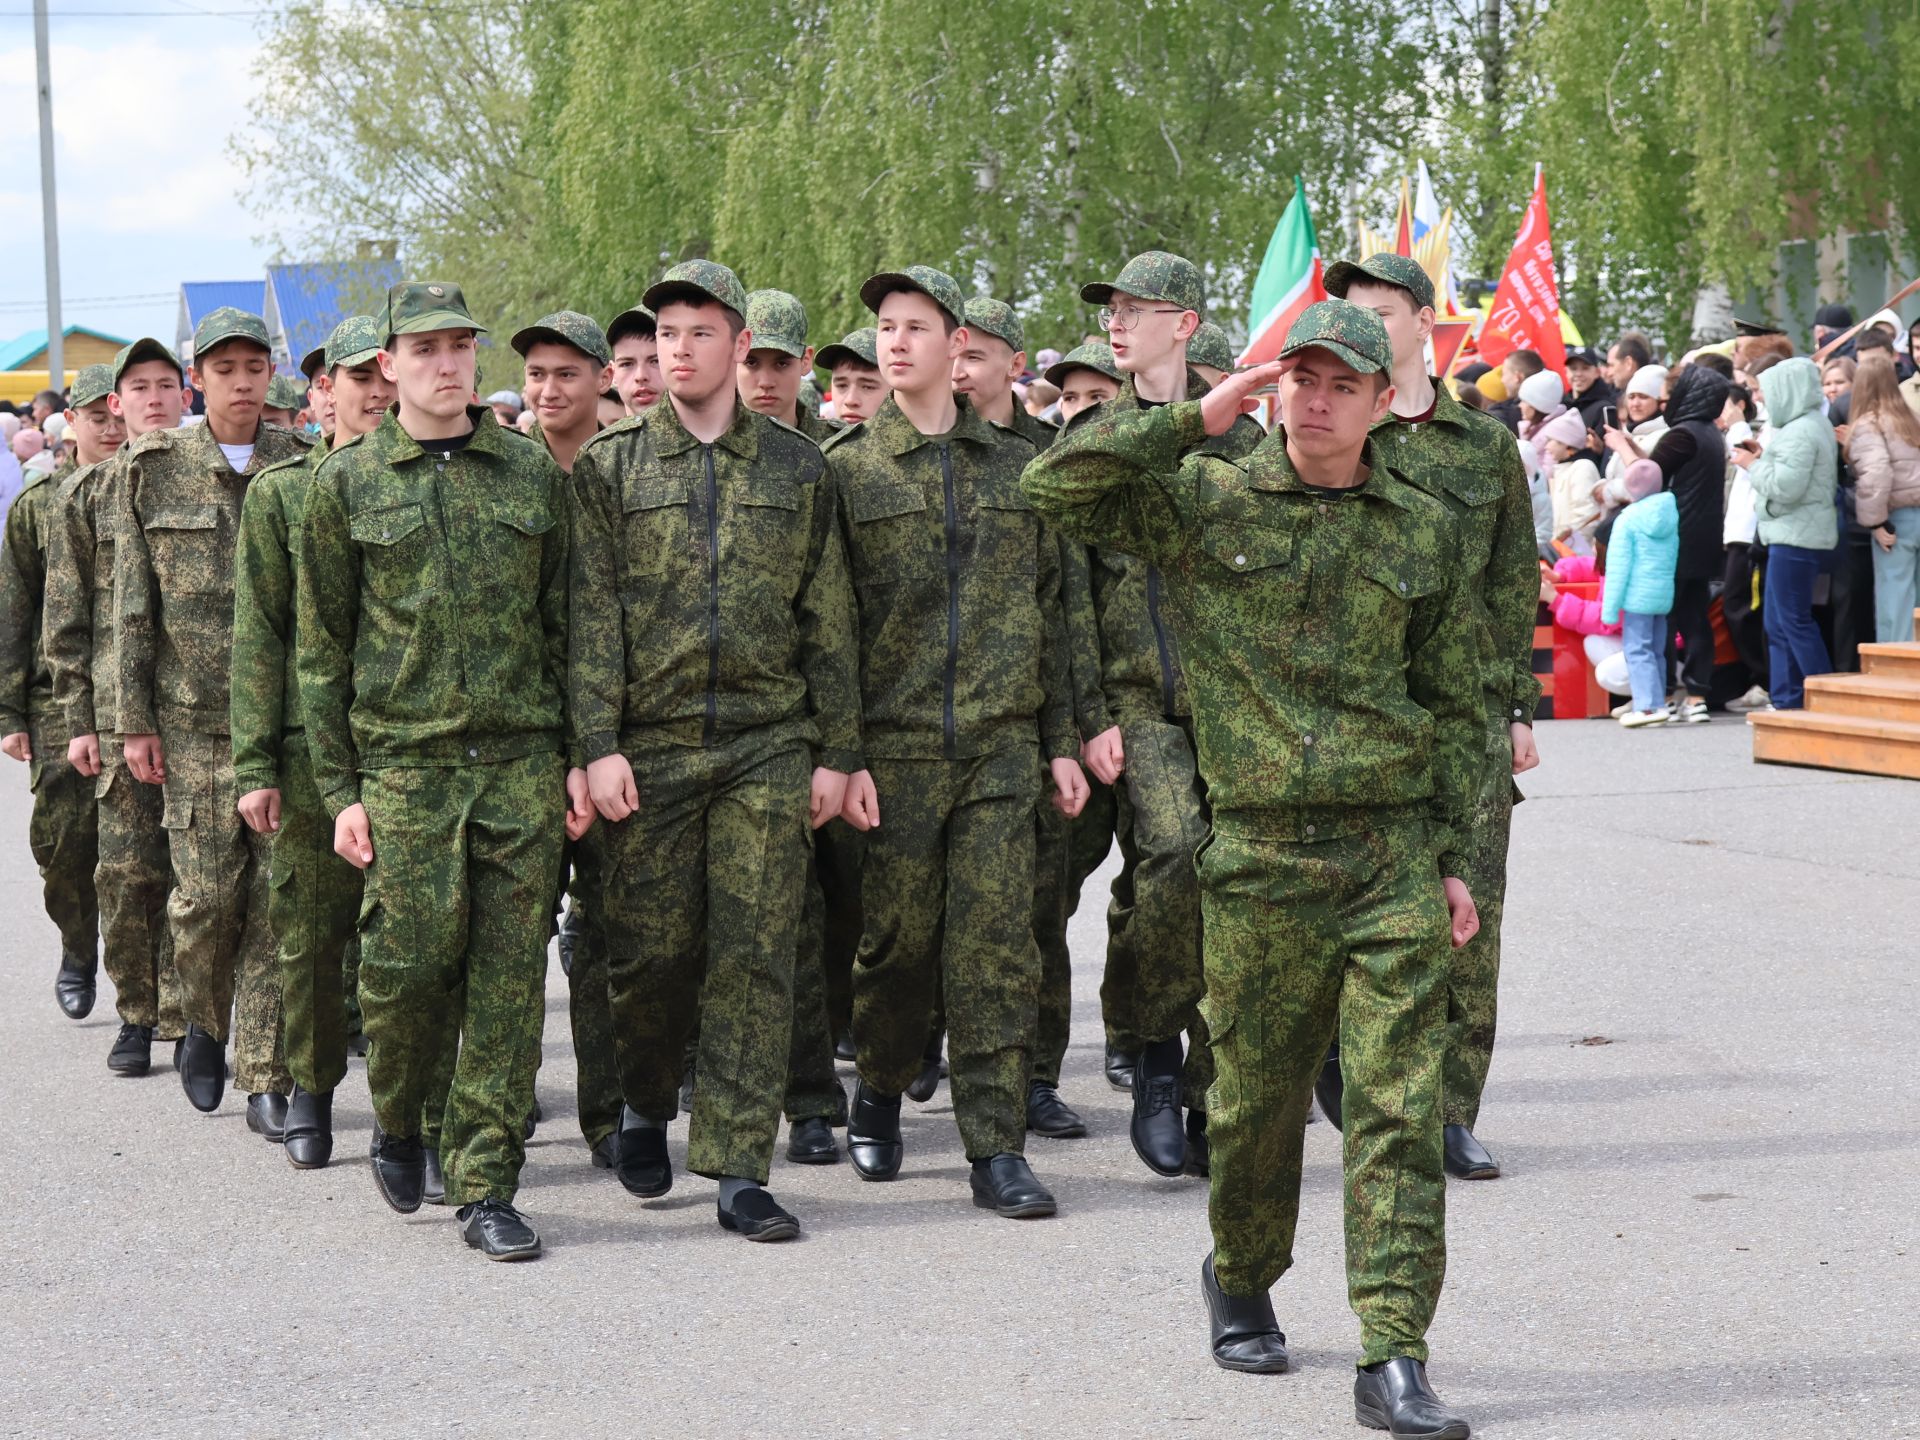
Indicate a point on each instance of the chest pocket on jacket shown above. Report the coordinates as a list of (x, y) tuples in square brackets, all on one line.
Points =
[(515, 542), (1006, 535), (185, 544), (764, 527), (654, 523), (396, 554), (891, 540), (1245, 577), (1381, 600)]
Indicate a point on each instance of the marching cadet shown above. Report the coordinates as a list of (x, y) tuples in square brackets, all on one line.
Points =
[(636, 359), (320, 402), (855, 383), (176, 504), (1468, 461), (1339, 735), (286, 397), (712, 694), (965, 704), (432, 607), (778, 365), (134, 872)]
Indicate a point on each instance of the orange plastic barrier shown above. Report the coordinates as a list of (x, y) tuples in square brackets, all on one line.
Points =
[(1575, 693)]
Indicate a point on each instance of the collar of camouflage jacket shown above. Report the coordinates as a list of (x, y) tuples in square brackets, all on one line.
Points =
[(900, 436), (396, 444), (1446, 409), (1269, 467), (670, 437)]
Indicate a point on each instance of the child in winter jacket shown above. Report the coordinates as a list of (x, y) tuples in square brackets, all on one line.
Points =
[(1643, 555), (1575, 510), (1581, 614)]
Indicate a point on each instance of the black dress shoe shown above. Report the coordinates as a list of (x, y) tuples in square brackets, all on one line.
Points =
[(433, 1180), (605, 1152), (873, 1134), (758, 1216), (74, 989), (1329, 1088), (1395, 1397), (1467, 1158), (1244, 1334), (1005, 1184), (202, 1063), (497, 1230), (839, 1106), (572, 927), (267, 1116), (178, 1046), (1199, 1153), (844, 1050), (1120, 1069), (132, 1052), (1049, 1115), (399, 1169), (810, 1142), (927, 1081), (308, 1130), (642, 1165), (1159, 1136)]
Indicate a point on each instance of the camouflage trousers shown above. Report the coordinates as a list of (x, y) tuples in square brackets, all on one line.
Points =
[(453, 949), (1301, 940), (314, 903), (222, 939), (948, 895), (1473, 983), (703, 894), (822, 972), (1065, 853), (132, 881), (596, 1073), (65, 839)]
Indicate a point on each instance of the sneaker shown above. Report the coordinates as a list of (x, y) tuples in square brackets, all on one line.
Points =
[(1640, 719), (1625, 707), (1754, 699), (1694, 712)]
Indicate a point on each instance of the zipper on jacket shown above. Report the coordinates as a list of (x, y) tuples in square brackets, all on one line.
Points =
[(713, 600), (1160, 640), (947, 726)]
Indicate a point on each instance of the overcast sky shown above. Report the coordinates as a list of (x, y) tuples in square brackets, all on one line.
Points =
[(142, 110)]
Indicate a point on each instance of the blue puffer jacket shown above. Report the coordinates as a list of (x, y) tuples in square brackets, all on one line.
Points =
[(1642, 557)]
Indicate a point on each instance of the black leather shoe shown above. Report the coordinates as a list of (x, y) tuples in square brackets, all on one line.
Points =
[(1158, 1134), (928, 1080), (1049, 1115), (132, 1052), (1395, 1397), (532, 1121), (178, 1046), (267, 1116), (1244, 1334), (758, 1216), (1120, 1069), (873, 1134), (1467, 1158), (497, 1230), (572, 927), (74, 989), (810, 1142), (844, 1051), (1005, 1184), (1199, 1153), (605, 1152), (202, 1062), (839, 1106), (308, 1130), (643, 1166), (1329, 1088), (433, 1180), (399, 1169)]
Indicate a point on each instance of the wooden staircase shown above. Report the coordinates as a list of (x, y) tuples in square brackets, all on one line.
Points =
[(1869, 723)]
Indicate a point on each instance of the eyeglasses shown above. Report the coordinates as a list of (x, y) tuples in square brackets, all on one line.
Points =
[(1127, 317)]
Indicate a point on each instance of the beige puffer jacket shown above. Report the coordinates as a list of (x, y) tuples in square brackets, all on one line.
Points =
[(1886, 472)]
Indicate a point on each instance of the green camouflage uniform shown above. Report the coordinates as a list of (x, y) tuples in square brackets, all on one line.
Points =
[(431, 600), (134, 872), (62, 833), (177, 509), (712, 647), (1329, 643), (965, 691)]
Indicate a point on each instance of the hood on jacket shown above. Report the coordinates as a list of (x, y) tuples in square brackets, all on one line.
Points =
[(1701, 394), (1791, 389), (1663, 516)]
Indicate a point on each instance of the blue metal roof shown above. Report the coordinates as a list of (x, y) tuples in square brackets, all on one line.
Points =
[(25, 346), (307, 301), (200, 296)]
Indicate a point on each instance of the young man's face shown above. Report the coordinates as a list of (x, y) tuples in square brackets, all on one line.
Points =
[(1083, 389), (320, 400), (636, 371), (1328, 406), (234, 379), (1146, 333), (770, 381), (986, 365), (96, 430), (1408, 325), (1620, 368), (699, 350), (149, 397), (1510, 376), (432, 372), (360, 395), (915, 347), (1642, 407), (1581, 376), (563, 387), (857, 392)]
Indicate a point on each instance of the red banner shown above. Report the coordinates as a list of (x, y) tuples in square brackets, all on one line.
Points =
[(1526, 307)]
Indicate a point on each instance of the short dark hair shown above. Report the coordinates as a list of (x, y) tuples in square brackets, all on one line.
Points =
[(946, 316), (52, 397), (1873, 338), (1713, 360), (1633, 346), (1743, 397), (1528, 362)]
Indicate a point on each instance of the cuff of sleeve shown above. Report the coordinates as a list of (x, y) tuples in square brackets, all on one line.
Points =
[(1188, 423), (344, 798), (597, 746), (136, 722), (245, 782), (80, 720), (847, 762), (12, 722), (1453, 865), (1059, 747)]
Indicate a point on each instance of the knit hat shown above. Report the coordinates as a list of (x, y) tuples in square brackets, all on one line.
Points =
[(1567, 428), (1649, 380), (1492, 386), (1544, 391), (28, 443), (1641, 479)]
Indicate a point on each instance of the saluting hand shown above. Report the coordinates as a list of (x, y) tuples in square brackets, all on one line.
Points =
[(83, 753), (261, 810), (1105, 755), (1234, 397), (861, 808), (1460, 906), (353, 837), (610, 786), (579, 805)]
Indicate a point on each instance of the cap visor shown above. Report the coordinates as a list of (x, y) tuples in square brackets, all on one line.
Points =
[(1056, 374), (785, 347), (630, 322), (1098, 293), (1340, 351), (313, 361), (204, 348), (878, 287), (143, 350), (525, 340), (440, 320), (358, 357), (1340, 275), (670, 291)]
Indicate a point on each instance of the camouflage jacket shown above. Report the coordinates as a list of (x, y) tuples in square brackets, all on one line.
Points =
[(1470, 461), (26, 684), (78, 628), (431, 600), (963, 644), (1330, 638), (265, 705), (176, 508), (815, 426), (709, 590)]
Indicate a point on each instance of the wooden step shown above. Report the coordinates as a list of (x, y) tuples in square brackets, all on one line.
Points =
[(1891, 660), (1878, 697), (1862, 744)]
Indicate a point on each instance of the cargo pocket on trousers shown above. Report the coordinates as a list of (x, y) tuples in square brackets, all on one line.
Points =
[(280, 899), (1222, 1043)]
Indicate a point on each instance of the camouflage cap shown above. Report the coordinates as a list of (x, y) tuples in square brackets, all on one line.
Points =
[(1352, 332), (314, 361), (1401, 271), (285, 393), (354, 341), (1210, 347), (94, 382), (226, 323), (698, 281), (145, 348), (936, 285), (996, 317), (637, 321), (566, 327), (1154, 275), (1094, 355), (778, 322), (416, 306), (856, 347)]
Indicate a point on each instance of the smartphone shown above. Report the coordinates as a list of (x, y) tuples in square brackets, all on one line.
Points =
[(1609, 418)]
